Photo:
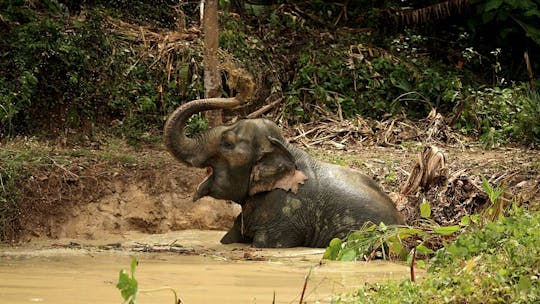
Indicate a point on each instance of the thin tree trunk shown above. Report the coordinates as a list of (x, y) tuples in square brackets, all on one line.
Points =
[(212, 81)]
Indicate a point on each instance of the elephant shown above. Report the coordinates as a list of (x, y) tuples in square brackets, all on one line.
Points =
[(288, 198)]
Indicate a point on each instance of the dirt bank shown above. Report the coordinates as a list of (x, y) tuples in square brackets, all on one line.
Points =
[(90, 194), (88, 197)]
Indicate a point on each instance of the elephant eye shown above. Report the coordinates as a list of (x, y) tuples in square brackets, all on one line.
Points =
[(227, 145), (227, 141)]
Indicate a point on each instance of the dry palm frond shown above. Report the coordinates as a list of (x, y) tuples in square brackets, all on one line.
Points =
[(333, 132), (430, 13), (391, 132), (429, 170)]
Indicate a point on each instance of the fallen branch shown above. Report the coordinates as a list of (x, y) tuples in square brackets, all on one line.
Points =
[(73, 175), (265, 109)]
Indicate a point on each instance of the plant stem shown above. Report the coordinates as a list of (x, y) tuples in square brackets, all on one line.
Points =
[(176, 299), (413, 260), (305, 285)]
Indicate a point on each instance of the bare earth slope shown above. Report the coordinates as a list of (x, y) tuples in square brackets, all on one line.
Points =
[(92, 195)]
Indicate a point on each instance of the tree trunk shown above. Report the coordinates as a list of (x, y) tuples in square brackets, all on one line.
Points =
[(212, 80)]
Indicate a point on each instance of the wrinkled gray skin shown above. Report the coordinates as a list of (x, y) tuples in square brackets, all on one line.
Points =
[(288, 199)]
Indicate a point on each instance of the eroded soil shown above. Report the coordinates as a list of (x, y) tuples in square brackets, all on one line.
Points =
[(88, 196)]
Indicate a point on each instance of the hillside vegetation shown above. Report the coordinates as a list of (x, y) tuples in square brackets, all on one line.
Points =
[(78, 66), (86, 86)]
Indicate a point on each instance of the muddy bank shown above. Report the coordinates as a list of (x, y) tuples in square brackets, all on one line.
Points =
[(88, 198), (94, 194)]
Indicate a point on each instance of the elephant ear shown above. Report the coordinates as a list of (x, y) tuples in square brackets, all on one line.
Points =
[(275, 169)]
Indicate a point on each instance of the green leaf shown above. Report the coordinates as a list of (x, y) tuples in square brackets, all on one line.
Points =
[(486, 186), (446, 230), (493, 4), (465, 221), (524, 284), (407, 232), (425, 209), (348, 255), (492, 192), (133, 265), (127, 284), (395, 246), (422, 249), (332, 251)]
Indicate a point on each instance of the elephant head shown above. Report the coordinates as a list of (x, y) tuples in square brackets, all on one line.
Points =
[(241, 159)]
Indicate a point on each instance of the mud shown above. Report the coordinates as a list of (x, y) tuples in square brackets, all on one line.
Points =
[(64, 271), (91, 200)]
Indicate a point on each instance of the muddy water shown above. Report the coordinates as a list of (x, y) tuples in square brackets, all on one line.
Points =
[(218, 275)]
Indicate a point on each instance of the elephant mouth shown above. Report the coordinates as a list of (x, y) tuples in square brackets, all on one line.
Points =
[(204, 186)]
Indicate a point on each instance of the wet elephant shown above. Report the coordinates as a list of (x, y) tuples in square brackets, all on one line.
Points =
[(288, 198)]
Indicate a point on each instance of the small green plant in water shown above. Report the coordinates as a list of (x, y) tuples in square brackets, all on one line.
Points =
[(129, 286)]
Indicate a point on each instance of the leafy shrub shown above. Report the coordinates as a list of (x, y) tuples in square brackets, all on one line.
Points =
[(500, 114), (50, 74), (518, 16), (14, 165), (383, 241), (528, 119), (11, 172), (348, 81), (497, 263), (63, 71)]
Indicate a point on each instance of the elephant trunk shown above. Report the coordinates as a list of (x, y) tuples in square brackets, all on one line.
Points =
[(194, 151)]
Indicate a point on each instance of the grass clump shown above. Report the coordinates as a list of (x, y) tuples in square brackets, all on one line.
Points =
[(14, 164), (496, 263)]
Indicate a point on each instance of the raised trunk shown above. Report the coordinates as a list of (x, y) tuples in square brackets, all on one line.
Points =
[(195, 151)]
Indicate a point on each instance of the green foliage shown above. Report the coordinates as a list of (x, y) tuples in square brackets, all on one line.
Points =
[(500, 114), (384, 241), (160, 13), (369, 242), (493, 192), (347, 81), (527, 127), (127, 284), (496, 263), (63, 67), (46, 74), (11, 171), (511, 249), (63, 71), (518, 16), (14, 169)]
